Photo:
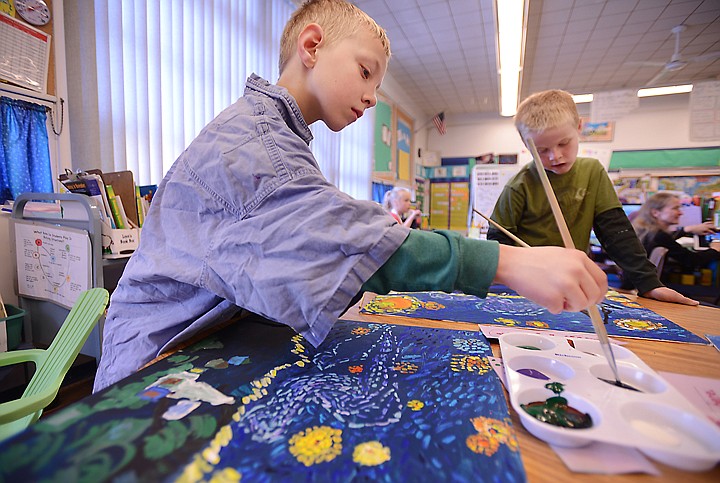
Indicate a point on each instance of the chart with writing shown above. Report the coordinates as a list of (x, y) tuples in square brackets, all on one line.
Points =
[(487, 184), (24, 54), (53, 263), (705, 111)]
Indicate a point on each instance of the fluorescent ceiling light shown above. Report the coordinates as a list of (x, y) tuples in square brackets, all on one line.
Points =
[(664, 91), (582, 98), (511, 42), (649, 92)]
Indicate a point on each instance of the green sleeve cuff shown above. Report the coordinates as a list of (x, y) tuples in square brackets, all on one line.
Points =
[(438, 260)]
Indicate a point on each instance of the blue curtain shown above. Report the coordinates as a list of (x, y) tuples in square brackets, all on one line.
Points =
[(24, 149)]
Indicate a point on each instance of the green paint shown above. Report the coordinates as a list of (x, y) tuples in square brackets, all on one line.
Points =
[(166, 440), (203, 426), (555, 410), (529, 347)]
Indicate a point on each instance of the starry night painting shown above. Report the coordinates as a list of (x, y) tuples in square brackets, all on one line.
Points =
[(622, 316), (257, 402)]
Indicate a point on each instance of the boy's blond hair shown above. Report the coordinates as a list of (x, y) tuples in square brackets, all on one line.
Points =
[(545, 110), (339, 19)]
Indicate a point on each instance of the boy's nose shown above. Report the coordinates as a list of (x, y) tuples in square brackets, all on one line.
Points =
[(370, 100)]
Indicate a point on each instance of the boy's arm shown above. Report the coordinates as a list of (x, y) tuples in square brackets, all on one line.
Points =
[(437, 260), (554, 277), (618, 238)]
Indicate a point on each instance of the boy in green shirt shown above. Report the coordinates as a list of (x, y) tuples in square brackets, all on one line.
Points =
[(584, 192)]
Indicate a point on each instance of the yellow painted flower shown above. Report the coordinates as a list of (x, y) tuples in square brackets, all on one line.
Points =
[(506, 321), (360, 331), (393, 304), (226, 475), (316, 445), (637, 324), (372, 453), (477, 364), (415, 405), (537, 323)]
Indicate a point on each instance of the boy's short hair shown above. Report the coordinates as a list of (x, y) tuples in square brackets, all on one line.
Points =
[(339, 19), (545, 110)]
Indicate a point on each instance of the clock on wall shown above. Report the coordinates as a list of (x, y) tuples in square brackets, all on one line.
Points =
[(35, 12)]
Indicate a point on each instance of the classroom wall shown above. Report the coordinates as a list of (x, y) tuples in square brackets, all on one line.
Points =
[(659, 122)]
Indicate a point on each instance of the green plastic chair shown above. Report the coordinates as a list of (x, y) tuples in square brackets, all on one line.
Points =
[(51, 364)]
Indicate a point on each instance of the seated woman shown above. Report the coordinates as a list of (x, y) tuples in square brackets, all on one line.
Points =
[(397, 203), (653, 224)]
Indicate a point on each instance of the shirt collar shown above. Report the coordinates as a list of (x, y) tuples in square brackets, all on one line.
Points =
[(286, 104)]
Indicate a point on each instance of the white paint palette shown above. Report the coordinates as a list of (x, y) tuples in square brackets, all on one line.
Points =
[(657, 419)]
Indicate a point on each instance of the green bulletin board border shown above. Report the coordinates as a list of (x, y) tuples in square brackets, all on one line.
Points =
[(666, 158)]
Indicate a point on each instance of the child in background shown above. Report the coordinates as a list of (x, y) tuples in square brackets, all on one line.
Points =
[(216, 237), (583, 190), (397, 202), (653, 224)]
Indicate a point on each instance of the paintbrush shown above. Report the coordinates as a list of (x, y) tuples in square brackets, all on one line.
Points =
[(568, 241), (503, 229), (3, 312)]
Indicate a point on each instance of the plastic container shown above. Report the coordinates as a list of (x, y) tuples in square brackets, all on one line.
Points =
[(14, 325), (655, 418)]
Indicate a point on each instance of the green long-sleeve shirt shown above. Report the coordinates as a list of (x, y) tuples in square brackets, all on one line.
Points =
[(438, 260)]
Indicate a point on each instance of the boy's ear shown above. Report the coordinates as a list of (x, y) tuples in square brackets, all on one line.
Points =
[(309, 41)]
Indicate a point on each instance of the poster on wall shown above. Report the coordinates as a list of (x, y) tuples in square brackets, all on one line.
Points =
[(596, 131), (459, 196), (382, 162), (486, 184), (705, 111), (404, 146)]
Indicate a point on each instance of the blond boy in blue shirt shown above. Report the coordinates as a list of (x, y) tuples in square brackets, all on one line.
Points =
[(216, 237)]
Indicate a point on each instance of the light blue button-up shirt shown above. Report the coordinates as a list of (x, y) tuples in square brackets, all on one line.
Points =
[(244, 218)]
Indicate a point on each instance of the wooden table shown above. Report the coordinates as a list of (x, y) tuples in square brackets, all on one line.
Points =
[(541, 462)]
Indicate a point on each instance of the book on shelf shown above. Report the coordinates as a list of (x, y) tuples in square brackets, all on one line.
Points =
[(115, 208)]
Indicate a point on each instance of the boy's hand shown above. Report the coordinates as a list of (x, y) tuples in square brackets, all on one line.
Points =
[(554, 277), (665, 294)]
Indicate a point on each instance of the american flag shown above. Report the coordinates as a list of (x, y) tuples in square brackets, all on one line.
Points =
[(439, 121)]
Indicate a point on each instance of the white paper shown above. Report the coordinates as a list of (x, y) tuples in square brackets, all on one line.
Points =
[(705, 111), (612, 105), (53, 263)]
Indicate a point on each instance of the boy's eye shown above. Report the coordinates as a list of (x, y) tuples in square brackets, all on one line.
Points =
[(365, 72)]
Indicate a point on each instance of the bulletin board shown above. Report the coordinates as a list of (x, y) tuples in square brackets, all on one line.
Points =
[(382, 159), (666, 158), (404, 146)]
